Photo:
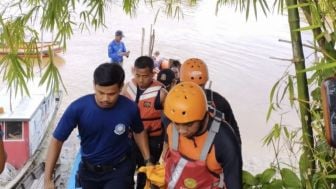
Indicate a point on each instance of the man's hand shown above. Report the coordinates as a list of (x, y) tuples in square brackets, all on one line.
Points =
[(127, 53), (49, 184), (148, 161)]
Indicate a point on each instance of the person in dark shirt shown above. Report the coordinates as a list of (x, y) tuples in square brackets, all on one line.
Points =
[(175, 66), (195, 70), (104, 120), (167, 78), (200, 151)]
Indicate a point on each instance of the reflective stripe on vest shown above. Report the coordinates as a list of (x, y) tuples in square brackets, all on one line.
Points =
[(131, 90), (177, 173), (150, 93)]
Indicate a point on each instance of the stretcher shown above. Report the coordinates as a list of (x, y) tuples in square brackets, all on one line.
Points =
[(328, 94)]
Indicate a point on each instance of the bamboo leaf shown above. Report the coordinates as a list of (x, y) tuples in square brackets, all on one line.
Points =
[(264, 6), (248, 178), (299, 5), (290, 179), (331, 176), (319, 67), (284, 92), (312, 27), (267, 175), (276, 131), (269, 111), (273, 90), (286, 132), (247, 9), (291, 91), (255, 9)]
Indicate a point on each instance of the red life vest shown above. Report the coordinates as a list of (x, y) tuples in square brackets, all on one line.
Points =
[(151, 118), (192, 166)]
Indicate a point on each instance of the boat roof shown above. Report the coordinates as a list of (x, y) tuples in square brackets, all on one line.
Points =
[(23, 106)]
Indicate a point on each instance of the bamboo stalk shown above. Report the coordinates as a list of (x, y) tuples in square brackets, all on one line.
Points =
[(303, 94)]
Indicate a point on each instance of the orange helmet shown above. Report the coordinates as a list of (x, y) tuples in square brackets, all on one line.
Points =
[(185, 102), (195, 70)]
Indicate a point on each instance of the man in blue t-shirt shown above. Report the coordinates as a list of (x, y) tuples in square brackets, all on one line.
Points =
[(117, 49), (104, 120)]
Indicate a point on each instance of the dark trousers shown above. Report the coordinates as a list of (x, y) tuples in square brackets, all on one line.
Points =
[(155, 148), (122, 176), (120, 63)]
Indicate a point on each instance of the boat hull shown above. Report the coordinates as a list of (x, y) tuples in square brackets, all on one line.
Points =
[(40, 50)]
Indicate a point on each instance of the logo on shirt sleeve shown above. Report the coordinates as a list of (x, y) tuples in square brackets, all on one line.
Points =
[(119, 129)]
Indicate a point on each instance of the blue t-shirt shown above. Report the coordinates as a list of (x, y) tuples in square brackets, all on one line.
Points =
[(104, 133), (114, 50)]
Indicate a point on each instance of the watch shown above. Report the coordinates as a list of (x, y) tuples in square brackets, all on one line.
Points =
[(149, 160)]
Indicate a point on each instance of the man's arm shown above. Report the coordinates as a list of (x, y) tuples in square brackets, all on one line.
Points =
[(52, 157), (163, 94), (228, 154), (164, 151), (223, 105), (125, 52), (141, 139), (3, 156)]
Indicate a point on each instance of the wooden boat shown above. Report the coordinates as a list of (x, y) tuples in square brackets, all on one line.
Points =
[(24, 121), (40, 50)]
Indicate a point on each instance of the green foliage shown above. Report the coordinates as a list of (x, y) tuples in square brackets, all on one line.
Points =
[(266, 179), (271, 179), (289, 179), (16, 70), (52, 75), (245, 5)]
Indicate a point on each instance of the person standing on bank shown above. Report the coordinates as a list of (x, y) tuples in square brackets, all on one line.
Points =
[(117, 49), (103, 120), (149, 94)]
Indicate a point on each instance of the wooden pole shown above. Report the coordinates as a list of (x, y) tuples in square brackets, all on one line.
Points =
[(142, 41)]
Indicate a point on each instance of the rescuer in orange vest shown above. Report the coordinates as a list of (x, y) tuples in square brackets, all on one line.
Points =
[(200, 151)]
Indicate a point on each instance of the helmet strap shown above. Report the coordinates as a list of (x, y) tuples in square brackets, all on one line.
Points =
[(203, 125)]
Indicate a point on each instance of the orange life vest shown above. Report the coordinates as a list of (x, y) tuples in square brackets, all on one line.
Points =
[(192, 163), (151, 118)]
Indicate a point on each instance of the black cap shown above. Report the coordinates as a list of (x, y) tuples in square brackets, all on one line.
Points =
[(119, 33), (166, 76)]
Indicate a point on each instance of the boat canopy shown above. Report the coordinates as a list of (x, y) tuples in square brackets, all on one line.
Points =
[(23, 106)]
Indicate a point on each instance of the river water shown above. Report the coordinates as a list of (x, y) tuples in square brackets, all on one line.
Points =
[(236, 51)]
